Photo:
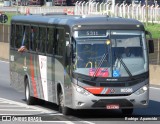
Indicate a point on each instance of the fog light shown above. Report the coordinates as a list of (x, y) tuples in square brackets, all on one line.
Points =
[(80, 103), (132, 100), (144, 102)]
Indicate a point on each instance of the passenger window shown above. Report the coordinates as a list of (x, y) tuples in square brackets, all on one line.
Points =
[(50, 40), (34, 38), (13, 35), (42, 39), (26, 40), (60, 42), (19, 36)]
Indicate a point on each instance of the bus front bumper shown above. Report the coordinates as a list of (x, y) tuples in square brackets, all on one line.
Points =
[(90, 101)]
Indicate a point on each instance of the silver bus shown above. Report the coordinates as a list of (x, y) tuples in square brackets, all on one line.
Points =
[(80, 62)]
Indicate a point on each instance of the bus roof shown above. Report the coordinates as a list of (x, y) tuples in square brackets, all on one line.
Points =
[(72, 20)]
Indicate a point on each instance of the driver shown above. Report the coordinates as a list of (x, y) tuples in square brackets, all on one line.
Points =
[(127, 53), (83, 55)]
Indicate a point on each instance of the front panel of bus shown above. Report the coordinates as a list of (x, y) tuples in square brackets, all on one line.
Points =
[(110, 69)]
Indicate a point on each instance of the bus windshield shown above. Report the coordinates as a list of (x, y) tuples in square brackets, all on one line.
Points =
[(91, 54), (128, 53), (121, 55)]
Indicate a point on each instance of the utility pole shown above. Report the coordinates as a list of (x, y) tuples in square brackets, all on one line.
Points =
[(146, 12)]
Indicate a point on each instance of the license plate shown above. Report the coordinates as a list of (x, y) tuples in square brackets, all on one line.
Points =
[(112, 106)]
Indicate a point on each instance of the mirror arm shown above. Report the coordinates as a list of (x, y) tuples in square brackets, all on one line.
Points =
[(149, 33)]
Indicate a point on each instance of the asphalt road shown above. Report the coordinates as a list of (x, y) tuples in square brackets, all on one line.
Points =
[(13, 103)]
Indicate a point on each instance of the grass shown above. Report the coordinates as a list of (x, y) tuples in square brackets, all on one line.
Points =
[(9, 17), (154, 29)]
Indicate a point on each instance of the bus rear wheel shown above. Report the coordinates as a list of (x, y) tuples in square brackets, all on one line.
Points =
[(127, 111), (62, 109), (29, 99)]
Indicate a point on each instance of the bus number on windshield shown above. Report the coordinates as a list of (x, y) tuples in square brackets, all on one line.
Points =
[(92, 33)]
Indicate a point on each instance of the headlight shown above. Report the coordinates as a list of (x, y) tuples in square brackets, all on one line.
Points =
[(142, 90), (81, 90)]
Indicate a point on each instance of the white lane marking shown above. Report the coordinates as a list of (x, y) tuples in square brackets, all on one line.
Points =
[(87, 122), (24, 105), (80, 120), (67, 122), (23, 114), (14, 114), (18, 109), (13, 106), (4, 61), (154, 88)]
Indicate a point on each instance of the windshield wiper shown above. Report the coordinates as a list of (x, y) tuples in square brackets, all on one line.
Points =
[(125, 67), (99, 65)]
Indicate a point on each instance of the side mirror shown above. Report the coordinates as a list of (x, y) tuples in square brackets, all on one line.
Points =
[(151, 46)]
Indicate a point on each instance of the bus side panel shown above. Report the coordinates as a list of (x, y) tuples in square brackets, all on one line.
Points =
[(36, 88), (44, 78), (62, 77), (16, 68), (59, 71), (67, 88), (51, 79)]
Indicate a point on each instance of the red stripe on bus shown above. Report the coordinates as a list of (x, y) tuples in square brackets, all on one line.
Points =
[(94, 90), (32, 77), (108, 91)]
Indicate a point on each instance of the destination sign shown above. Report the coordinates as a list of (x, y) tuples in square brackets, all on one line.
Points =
[(92, 33)]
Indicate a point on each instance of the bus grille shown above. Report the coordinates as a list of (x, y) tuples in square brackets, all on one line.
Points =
[(120, 102)]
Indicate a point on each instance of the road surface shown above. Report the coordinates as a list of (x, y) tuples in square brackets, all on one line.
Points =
[(12, 104)]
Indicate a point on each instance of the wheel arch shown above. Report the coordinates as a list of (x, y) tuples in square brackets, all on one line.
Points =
[(59, 88), (26, 77)]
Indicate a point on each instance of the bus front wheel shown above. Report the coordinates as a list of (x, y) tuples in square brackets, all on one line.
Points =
[(62, 109), (127, 111), (29, 99)]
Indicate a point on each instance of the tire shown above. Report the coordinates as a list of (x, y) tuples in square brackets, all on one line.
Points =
[(127, 111), (62, 109), (29, 99)]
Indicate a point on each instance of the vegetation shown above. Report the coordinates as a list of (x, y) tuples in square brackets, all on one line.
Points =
[(154, 29), (9, 17)]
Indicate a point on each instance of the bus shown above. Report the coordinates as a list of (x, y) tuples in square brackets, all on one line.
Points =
[(77, 62)]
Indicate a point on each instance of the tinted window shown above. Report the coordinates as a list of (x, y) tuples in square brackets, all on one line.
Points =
[(42, 39), (13, 34), (50, 40), (26, 37), (34, 38), (19, 36), (60, 42)]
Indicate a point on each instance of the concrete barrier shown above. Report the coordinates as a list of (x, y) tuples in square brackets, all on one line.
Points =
[(154, 74), (4, 51), (154, 69)]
